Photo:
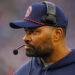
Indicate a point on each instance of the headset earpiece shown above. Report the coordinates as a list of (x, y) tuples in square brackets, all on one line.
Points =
[(51, 19), (51, 12)]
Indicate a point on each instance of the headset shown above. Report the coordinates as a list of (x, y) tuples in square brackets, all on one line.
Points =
[(50, 17), (47, 19)]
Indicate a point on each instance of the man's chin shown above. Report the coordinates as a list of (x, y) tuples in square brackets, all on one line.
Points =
[(29, 53)]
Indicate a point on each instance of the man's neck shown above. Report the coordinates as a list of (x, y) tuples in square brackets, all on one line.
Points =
[(56, 56)]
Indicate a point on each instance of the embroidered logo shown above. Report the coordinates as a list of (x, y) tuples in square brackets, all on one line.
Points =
[(28, 11)]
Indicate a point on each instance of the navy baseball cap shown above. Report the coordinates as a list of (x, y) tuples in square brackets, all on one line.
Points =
[(34, 14)]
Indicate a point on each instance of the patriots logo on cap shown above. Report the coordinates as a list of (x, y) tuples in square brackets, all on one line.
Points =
[(28, 11)]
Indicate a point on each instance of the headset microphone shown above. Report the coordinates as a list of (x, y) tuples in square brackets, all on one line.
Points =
[(15, 51)]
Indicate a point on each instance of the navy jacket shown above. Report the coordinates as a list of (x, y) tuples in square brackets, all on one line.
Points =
[(65, 66)]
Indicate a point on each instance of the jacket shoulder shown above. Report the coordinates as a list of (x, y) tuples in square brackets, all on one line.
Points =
[(24, 69)]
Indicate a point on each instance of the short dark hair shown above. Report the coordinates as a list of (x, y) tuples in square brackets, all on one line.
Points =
[(64, 30)]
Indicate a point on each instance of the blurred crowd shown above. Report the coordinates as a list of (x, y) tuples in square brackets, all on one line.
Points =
[(11, 10)]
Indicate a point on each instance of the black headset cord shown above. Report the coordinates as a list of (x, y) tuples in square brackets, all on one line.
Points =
[(30, 67)]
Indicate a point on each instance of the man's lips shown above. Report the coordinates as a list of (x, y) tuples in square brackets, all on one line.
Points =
[(27, 47)]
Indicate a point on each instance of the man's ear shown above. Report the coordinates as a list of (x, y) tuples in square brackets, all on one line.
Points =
[(57, 34)]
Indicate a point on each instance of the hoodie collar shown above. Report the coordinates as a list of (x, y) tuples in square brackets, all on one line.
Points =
[(67, 60)]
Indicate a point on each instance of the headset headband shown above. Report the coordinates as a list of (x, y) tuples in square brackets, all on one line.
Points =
[(51, 12)]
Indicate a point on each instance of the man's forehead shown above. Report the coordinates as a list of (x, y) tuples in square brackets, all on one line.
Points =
[(32, 28), (41, 27)]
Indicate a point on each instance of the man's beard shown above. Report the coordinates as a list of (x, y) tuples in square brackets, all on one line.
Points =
[(38, 51)]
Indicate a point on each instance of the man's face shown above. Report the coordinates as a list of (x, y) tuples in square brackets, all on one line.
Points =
[(38, 41)]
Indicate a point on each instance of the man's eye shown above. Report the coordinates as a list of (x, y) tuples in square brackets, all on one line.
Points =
[(34, 31)]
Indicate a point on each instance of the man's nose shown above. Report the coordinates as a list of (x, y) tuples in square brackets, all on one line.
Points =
[(27, 38)]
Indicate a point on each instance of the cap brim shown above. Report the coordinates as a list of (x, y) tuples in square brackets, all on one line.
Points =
[(23, 24)]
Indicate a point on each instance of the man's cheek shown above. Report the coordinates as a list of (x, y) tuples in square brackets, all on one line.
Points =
[(36, 41)]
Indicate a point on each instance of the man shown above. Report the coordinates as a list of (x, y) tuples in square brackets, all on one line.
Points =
[(45, 41)]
